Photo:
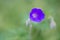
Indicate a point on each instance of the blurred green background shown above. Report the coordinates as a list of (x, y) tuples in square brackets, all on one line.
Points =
[(14, 13)]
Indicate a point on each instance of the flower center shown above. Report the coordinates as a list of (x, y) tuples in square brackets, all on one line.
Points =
[(34, 15)]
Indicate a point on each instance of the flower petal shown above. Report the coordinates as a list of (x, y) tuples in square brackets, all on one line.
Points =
[(37, 15)]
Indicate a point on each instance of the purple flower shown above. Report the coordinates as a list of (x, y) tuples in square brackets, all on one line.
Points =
[(37, 15)]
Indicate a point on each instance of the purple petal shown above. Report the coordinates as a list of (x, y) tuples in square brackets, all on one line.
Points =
[(37, 15)]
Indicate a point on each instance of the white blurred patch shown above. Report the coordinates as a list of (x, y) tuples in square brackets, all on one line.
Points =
[(52, 22), (27, 22)]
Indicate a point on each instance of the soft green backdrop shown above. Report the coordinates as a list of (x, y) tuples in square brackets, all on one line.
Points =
[(14, 13)]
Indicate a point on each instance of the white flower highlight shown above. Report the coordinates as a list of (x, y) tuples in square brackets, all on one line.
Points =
[(27, 22), (34, 15), (52, 22)]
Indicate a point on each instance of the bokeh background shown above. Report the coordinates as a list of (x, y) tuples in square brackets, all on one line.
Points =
[(14, 13)]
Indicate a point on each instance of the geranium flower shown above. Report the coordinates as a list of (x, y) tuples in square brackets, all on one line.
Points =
[(37, 15)]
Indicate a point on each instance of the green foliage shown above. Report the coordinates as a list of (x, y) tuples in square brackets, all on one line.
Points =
[(14, 13)]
